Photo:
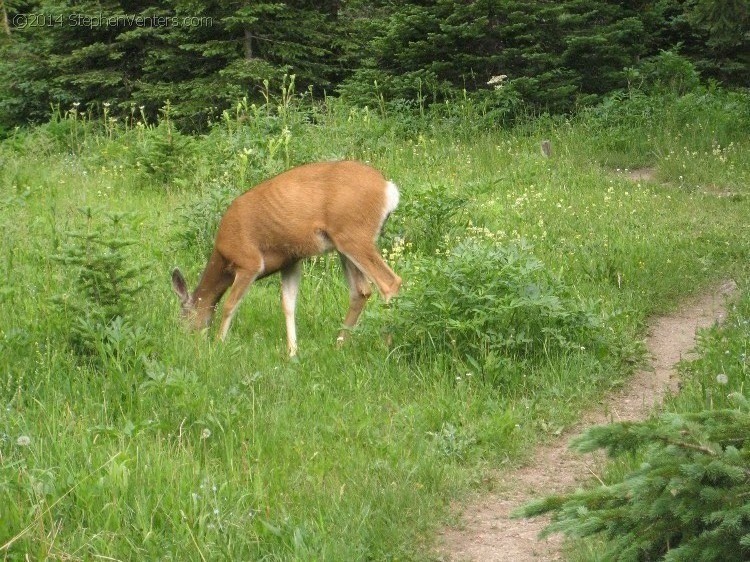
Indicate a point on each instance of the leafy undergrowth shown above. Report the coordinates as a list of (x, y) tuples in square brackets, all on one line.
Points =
[(527, 282)]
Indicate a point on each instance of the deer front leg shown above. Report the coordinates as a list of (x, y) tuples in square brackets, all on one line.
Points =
[(290, 279), (242, 280)]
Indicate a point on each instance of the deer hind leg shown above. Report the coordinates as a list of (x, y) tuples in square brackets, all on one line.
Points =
[(242, 280), (290, 279), (366, 258), (359, 292)]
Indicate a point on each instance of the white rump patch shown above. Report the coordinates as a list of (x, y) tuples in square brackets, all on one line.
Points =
[(391, 198), (391, 202)]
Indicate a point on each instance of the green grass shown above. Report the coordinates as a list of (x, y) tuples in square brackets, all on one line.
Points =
[(171, 446)]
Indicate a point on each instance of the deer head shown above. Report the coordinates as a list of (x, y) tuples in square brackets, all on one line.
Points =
[(187, 305)]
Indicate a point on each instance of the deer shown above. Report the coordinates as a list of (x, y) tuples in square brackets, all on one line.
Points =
[(271, 228)]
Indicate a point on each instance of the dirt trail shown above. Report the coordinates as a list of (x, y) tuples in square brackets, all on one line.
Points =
[(488, 534)]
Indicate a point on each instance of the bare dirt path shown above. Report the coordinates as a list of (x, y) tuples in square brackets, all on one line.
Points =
[(487, 533)]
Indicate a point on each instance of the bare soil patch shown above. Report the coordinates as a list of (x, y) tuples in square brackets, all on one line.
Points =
[(641, 174), (648, 174), (487, 533)]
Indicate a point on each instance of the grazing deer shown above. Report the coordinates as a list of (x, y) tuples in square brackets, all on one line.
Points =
[(300, 213)]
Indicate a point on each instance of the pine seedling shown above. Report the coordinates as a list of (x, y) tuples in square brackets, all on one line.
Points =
[(105, 284), (688, 500)]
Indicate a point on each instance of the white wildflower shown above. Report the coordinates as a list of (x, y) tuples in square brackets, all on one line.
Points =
[(497, 81)]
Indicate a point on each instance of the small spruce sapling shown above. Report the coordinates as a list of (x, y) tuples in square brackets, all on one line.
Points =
[(105, 282), (688, 499)]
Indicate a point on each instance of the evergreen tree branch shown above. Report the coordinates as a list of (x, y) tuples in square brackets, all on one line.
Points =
[(691, 446)]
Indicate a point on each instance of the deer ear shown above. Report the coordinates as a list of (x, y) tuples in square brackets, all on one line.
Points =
[(179, 285)]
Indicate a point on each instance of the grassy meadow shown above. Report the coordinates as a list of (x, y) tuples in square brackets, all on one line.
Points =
[(527, 284)]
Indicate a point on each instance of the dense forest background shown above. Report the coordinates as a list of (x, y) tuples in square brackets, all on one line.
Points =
[(513, 56)]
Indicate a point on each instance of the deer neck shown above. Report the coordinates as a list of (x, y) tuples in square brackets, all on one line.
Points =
[(213, 283)]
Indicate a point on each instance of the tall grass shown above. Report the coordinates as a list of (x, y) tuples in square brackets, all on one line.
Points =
[(171, 446)]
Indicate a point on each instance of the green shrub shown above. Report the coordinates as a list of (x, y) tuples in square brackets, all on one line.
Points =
[(667, 72), (424, 219), (198, 220), (68, 130), (479, 300)]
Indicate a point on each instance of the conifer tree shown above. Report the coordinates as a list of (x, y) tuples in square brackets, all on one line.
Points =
[(689, 500), (200, 56), (204, 56)]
